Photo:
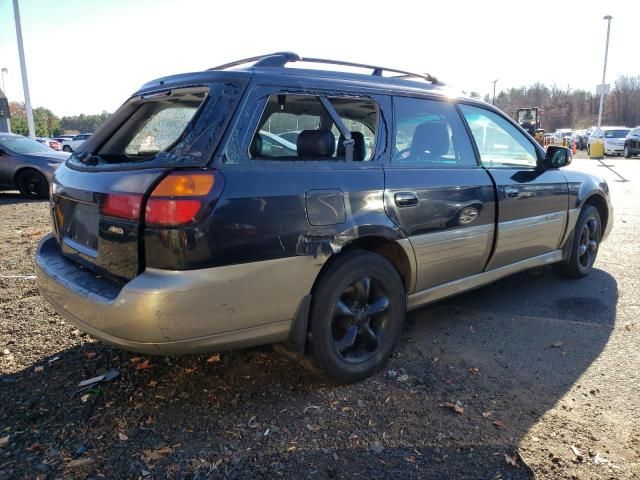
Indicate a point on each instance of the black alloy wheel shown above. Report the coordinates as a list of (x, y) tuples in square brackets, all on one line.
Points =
[(584, 245), (33, 184), (357, 315)]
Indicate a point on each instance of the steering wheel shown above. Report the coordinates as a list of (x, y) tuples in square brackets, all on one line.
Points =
[(402, 154)]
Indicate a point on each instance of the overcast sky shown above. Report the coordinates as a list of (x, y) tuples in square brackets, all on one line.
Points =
[(85, 56)]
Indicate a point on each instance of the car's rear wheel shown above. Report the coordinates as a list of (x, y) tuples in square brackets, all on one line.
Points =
[(627, 152), (584, 246), (32, 184), (67, 148), (357, 316)]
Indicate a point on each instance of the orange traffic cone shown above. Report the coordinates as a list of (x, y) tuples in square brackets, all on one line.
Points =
[(574, 148)]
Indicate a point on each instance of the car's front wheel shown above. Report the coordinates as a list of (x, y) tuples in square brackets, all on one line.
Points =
[(627, 152), (67, 148), (32, 184), (584, 247), (357, 316)]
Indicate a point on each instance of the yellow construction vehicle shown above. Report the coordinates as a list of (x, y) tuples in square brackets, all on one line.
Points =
[(530, 119)]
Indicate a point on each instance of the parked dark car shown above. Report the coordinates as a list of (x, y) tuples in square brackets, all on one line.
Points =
[(27, 165), (632, 143), (176, 232)]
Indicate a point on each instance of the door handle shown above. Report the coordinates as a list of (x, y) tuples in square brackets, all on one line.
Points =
[(406, 199), (511, 192)]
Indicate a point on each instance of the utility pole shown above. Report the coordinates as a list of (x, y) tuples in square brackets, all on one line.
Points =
[(493, 101), (23, 71), (604, 70), (4, 70)]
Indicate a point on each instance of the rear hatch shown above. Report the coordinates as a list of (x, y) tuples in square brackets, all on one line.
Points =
[(100, 196)]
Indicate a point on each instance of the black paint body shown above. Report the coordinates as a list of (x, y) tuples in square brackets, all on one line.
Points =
[(276, 209)]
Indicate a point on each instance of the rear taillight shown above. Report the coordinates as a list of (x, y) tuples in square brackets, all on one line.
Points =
[(179, 198), (55, 145), (121, 205)]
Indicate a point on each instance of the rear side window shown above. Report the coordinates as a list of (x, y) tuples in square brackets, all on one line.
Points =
[(430, 133), (299, 127)]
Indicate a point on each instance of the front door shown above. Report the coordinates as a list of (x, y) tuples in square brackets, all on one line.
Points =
[(532, 203), (436, 192)]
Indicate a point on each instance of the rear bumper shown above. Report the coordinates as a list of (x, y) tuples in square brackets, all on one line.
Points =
[(176, 312)]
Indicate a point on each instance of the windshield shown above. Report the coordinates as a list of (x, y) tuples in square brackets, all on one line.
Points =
[(23, 145), (616, 133)]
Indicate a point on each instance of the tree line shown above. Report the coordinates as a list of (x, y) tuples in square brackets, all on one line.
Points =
[(47, 124), (577, 109)]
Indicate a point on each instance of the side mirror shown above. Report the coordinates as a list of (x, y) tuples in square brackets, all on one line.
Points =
[(557, 157)]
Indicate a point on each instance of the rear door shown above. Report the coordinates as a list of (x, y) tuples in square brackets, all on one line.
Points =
[(437, 193), (532, 203)]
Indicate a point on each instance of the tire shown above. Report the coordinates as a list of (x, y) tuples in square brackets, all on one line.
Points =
[(627, 152), (584, 245), (32, 184), (347, 344), (67, 148)]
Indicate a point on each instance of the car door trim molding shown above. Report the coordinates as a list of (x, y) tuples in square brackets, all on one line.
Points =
[(455, 287), (438, 253), (514, 236)]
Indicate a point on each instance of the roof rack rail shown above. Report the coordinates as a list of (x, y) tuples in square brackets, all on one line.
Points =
[(280, 59)]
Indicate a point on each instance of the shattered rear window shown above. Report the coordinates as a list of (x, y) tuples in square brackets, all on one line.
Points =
[(161, 130), (156, 126)]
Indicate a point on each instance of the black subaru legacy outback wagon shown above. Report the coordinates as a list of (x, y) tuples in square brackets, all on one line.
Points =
[(187, 224)]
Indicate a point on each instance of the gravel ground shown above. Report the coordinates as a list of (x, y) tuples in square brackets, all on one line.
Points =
[(546, 373)]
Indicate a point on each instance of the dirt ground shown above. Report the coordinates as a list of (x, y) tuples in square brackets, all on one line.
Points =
[(547, 372)]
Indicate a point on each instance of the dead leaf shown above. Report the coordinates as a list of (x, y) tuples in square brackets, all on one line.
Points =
[(123, 437), (155, 454), (143, 365), (513, 461), (474, 370), (135, 359), (79, 462), (557, 344), (153, 383), (84, 398), (456, 407), (214, 358), (499, 424), (4, 440), (486, 414)]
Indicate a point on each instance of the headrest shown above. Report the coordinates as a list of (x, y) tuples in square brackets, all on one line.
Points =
[(359, 149), (430, 140), (316, 143), (255, 149)]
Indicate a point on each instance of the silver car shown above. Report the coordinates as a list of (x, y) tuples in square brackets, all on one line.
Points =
[(27, 165)]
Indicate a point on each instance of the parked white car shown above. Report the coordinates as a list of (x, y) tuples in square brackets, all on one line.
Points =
[(71, 145), (613, 138)]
